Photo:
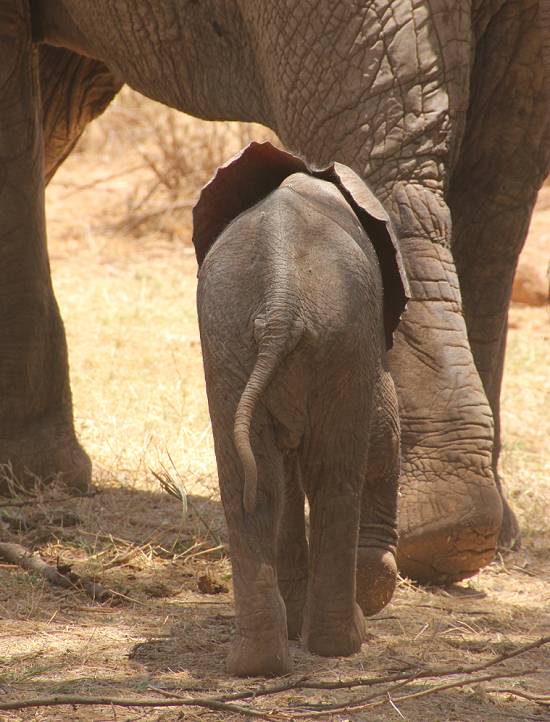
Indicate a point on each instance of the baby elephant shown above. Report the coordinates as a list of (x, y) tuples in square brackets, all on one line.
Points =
[(291, 312)]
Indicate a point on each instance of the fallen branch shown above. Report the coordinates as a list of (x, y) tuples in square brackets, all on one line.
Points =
[(316, 711), (60, 576), (72, 699)]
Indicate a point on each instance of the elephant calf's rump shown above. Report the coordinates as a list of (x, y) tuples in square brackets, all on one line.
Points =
[(290, 302)]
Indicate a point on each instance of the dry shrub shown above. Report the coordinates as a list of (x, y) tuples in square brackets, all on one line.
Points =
[(169, 155)]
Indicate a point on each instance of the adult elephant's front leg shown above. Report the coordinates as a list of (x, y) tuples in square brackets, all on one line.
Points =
[(504, 159), (36, 425), (384, 88)]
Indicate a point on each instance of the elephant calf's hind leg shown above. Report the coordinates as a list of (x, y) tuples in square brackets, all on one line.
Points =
[(334, 624), (376, 565), (260, 647), (292, 549)]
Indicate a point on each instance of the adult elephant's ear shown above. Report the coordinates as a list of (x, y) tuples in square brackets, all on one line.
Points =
[(378, 227), (236, 186)]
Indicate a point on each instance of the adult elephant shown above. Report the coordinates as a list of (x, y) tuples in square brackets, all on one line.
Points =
[(441, 105)]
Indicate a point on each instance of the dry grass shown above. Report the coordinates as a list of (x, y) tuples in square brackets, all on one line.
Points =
[(140, 405)]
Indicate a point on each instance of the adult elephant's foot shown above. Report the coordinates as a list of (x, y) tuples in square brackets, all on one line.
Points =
[(259, 656), (376, 577), (330, 637), (45, 452), (445, 537), (450, 510)]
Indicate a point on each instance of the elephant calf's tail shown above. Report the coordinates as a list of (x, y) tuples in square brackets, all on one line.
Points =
[(278, 339)]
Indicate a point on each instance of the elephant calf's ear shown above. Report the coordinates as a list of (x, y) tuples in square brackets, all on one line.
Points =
[(258, 170), (237, 185), (377, 225)]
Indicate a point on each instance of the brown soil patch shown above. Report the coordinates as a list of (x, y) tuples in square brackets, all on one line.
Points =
[(140, 407)]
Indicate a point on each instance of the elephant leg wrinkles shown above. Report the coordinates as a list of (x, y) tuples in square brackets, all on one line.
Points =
[(504, 160)]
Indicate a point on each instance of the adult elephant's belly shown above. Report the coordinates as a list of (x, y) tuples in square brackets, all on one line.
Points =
[(450, 511)]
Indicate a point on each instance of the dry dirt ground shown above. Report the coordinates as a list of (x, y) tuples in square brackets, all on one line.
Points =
[(124, 274)]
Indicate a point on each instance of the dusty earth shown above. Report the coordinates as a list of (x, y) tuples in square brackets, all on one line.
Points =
[(124, 274)]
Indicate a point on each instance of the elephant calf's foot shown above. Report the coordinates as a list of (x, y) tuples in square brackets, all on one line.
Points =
[(335, 639), (376, 577), (259, 657), (44, 453)]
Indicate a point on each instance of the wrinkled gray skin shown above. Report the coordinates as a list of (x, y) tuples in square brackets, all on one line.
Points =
[(290, 312), (441, 106)]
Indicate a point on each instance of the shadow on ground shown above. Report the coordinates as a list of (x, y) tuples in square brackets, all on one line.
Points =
[(172, 618)]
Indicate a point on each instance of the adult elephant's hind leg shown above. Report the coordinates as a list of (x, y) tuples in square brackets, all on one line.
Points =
[(376, 566), (36, 426), (504, 159)]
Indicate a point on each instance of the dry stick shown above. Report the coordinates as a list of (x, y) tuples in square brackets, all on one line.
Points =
[(441, 672), (365, 703), (61, 577), (69, 699), (215, 703), (262, 691)]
